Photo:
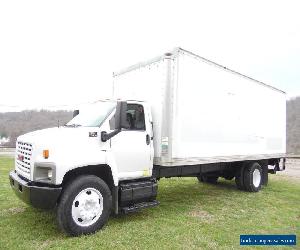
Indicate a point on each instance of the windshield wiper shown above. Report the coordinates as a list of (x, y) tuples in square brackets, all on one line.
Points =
[(72, 125)]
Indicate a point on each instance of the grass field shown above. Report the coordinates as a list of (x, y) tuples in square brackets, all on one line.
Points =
[(191, 216)]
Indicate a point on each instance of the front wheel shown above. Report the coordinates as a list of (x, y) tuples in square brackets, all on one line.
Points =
[(84, 206)]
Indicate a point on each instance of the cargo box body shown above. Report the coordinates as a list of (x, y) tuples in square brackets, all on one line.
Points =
[(205, 113)]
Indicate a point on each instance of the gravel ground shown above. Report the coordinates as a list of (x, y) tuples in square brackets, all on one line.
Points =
[(292, 168), (7, 152)]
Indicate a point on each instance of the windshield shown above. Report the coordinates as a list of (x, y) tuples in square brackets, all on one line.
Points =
[(93, 115)]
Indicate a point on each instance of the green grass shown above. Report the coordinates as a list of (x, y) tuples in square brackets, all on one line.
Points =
[(191, 216)]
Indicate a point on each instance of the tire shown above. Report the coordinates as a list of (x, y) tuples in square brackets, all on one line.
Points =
[(239, 178), (84, 206), (212, 179), (253, 176)]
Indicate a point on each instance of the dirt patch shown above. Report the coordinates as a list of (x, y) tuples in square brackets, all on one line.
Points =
[(201, 215), (45, 245), (16, 210), (13, 210)]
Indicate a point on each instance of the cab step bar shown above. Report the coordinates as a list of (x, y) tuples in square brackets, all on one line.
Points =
[(139, 206)]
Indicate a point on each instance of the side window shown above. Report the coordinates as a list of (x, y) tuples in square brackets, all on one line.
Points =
[(135, 117)]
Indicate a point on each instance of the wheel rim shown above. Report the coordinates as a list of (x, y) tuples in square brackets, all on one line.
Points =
[(87, 207), (256, 178)]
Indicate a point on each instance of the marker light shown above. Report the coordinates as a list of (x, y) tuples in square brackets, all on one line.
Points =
[(46, 153)]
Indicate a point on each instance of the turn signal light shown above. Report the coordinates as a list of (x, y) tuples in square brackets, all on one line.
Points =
[(46, 153)]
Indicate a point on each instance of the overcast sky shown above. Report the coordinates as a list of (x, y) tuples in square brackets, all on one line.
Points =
[(56, 53)]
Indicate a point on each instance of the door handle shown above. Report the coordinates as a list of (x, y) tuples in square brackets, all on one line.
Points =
[(147, 139)]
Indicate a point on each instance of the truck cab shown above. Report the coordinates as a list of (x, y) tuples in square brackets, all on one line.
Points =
[(108, 144)]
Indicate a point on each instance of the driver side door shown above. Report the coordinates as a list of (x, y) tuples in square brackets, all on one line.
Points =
[(132, 148)]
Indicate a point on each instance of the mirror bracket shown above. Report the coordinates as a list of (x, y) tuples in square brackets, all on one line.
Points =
[(106, 136)]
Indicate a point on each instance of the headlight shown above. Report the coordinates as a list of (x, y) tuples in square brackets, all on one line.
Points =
[(44, 172)]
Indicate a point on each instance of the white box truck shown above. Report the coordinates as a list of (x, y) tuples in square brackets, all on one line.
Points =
[(176, 115)]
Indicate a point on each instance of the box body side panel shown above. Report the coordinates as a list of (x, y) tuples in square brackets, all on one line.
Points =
[(222, 114)]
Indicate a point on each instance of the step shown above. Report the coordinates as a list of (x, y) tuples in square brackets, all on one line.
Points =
[(138, 206)]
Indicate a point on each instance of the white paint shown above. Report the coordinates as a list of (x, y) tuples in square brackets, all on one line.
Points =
[(145, 84), (256, 178), (215, 114), (87, 207), (132, 155), (130, 151)]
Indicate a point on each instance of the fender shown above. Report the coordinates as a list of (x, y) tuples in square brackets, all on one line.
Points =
[(99, 158)]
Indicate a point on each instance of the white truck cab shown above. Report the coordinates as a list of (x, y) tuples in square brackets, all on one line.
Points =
[(109, 157), (48, 159), (81, 142)]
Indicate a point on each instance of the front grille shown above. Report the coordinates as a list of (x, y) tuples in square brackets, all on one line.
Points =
[(23, 158)]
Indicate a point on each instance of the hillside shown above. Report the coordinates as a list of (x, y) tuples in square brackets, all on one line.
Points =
[(13, 124), (293, 126)]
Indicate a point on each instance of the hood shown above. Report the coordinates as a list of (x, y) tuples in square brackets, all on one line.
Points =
[(54, 136), (67, 147)]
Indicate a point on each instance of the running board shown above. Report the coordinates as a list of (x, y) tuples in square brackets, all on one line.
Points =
[(139, 206)]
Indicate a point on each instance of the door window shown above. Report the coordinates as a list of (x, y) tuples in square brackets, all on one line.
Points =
[(135, 117)]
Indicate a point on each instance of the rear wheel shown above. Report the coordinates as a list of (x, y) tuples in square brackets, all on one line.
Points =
[(84, 206), (253, 177), (208, 178)]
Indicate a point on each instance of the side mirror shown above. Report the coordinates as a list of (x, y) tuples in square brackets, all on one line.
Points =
[(121, 116), (75, 112), (118, 122)]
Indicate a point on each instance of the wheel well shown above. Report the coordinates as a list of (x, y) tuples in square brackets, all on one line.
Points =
[(102, 171)]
